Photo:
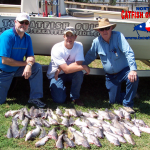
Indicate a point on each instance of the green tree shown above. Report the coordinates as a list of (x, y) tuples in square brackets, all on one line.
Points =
[(112, 2)]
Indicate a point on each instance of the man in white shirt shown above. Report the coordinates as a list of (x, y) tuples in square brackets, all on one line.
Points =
[(66, 66)]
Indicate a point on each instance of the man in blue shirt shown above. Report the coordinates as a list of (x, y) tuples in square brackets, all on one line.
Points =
[(15, 44), (118, 61)]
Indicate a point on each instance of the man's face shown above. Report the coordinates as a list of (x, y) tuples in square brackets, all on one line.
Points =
[(69, 39), (106, 33), (22, 26)]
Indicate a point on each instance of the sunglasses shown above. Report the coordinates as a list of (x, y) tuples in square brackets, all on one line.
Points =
[(107, 28), (24, 22)]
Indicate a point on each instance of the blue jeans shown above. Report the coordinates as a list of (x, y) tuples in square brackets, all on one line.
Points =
[(35, 80), (113, 84), (58, 88)]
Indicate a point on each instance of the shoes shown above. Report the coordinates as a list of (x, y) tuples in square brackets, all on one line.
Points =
[(78, 102), (37, 102), (137, 96), (129, 110)]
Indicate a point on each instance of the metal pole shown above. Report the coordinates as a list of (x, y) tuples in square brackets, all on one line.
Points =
[(57, 8)]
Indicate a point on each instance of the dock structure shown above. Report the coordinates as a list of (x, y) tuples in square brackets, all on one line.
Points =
[(98, 6)]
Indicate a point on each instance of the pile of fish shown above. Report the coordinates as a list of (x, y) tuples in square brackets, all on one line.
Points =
[(116, 126)]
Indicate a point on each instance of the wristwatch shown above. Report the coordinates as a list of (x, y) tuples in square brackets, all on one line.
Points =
[(29, 64)]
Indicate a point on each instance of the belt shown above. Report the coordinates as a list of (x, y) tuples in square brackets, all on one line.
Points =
[(112, 73)]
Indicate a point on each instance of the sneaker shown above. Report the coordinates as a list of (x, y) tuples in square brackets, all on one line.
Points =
[(37, 102), (137, 96), (129, 110), (78, 102)]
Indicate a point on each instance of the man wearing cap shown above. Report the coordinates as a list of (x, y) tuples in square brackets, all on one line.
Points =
[(66, 66), (118, 62), (15, 44)]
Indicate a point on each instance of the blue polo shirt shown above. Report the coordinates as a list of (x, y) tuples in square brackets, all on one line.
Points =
[(12, 46)]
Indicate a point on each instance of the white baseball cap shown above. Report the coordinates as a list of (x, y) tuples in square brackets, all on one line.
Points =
[(70, 29), (22, 17)]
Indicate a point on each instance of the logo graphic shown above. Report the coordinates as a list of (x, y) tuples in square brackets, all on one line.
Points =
[(143, 26)]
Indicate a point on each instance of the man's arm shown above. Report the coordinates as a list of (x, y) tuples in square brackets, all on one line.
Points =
[(74, 67), (125, 47), (28, 68), (27, 71), (30, 59), (91, 55), (11, 62)]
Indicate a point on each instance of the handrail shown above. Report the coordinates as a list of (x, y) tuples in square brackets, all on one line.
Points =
[(11, 6), (97, 5)]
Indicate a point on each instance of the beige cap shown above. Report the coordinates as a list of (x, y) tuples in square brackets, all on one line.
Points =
[(70, 29)]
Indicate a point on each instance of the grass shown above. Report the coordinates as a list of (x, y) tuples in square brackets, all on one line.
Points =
[(94, 95), (45, 60)]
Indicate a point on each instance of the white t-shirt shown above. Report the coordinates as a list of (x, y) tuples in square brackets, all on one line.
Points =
[(61, 55)]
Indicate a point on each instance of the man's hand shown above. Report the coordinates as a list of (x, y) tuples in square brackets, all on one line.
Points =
[(57, 73), (132, 76), (87, 69), (27, 72)]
